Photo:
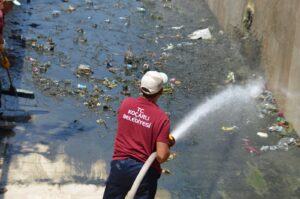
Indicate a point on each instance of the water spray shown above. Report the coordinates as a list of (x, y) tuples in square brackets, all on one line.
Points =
[(230, 94), (251, 90)]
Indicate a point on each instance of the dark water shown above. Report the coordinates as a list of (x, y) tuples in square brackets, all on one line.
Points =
[(210, 163)]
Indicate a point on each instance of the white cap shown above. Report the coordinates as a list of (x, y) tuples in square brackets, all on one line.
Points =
[(152, 82), (16, 2)]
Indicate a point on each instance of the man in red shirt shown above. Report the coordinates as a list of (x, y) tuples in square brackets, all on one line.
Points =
[(143, 128), (5, 7)]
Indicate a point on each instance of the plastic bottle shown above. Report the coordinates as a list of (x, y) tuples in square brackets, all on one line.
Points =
[(81, 86)]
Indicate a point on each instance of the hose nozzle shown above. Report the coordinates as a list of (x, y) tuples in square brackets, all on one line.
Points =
[(171, 140)]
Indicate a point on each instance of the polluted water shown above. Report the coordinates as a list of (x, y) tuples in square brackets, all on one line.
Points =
[(231, 94)]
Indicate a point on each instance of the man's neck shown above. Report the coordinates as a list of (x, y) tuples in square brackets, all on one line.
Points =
[(153, 100)]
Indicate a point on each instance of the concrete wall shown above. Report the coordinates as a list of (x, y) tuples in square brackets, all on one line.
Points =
[(276, 24)]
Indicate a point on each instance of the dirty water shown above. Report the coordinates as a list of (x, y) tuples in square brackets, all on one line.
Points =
[(70, 137)]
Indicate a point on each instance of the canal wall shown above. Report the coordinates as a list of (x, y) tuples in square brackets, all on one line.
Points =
[(275, 25)]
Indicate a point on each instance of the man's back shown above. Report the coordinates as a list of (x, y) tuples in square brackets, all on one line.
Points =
[(141, 123)]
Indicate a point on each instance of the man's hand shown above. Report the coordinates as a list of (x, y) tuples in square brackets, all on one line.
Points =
[(5, 62), (4, 59), (1, 44)]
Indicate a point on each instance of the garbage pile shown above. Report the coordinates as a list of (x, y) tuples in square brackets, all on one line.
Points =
[(266, 104), (281, 128), (283, 144), (91, 87)]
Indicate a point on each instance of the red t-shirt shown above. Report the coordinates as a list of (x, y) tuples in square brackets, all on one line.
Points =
[(141, 123), (1, 22)]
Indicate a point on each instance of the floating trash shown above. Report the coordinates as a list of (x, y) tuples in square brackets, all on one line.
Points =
[(83, 69), (266, 148), (269, 107), (129, 66), (232, 128), (108, 65), (262, 134), (230, 77), (113, 69), (166, 171), (80, 39), (35, 70), (109, 83), (277, 128), (172, 156), (38, 67), (80, 30), (169, 47), (67, 82), (93, 101), (146, 67), (140, 9), (184, 44), (168, 89), (286, 141), (280, 114), (101, 122), (174, 81), (71, 8), (167, 5), (40, 47), (156, 16), (249, 147), (177, 27), (201, 34), (55, 13), (266, 96), (283, 144), (51, 45), (81, 86), (128, 56)]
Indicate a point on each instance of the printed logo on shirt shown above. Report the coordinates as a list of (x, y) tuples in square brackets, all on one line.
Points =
[(138, 117)]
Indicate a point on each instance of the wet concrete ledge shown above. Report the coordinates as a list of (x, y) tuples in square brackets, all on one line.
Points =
[(275, 25)]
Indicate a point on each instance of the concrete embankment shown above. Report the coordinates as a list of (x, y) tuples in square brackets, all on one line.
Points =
[(275, 25)]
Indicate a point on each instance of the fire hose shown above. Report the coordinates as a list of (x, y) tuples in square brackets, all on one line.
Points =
[(131, 193), (140, 176)]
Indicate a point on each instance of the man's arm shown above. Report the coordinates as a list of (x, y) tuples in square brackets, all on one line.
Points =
[(163, 151), (1, 27)]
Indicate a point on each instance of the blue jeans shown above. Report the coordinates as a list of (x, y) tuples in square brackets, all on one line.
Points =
[(122, 175)]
